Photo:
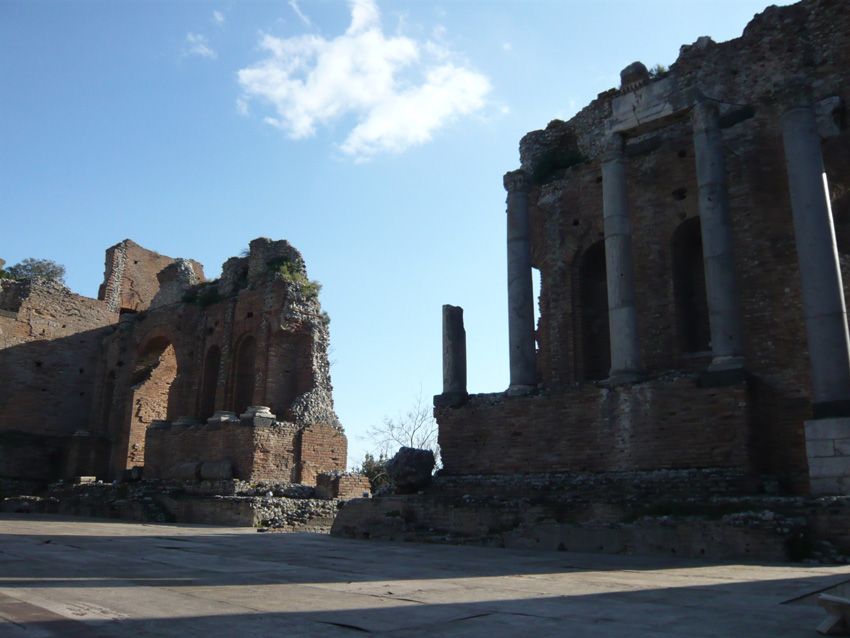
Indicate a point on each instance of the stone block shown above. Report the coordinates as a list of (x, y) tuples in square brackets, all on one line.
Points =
[(820, 448), (84, 480), (828, 486), (216, 470), (831, 429), (257, 415), (833, 466), (842, 447), (185, 420)]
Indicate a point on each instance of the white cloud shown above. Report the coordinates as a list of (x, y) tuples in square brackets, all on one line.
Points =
[(301, 15), (198, 45), (241, 106), (507, 47), (218, 17), (400, 91)]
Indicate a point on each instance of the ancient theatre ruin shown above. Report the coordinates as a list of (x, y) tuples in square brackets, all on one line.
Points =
[(691, 229), (169, 376)]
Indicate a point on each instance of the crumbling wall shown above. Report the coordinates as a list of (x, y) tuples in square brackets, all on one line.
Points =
[(49, 346), (746, 78), (257, 336), (130, 280), (322, 448), (273, 451)]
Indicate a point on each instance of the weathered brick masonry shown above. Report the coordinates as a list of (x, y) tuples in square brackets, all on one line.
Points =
[(49, 347), (596, 429), (670, 420), (85, 380)]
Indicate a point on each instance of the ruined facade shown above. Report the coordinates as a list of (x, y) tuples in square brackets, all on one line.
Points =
[(183, 377), (671, 221), (691, 355)]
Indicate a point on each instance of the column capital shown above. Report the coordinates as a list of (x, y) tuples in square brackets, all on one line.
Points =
[(517, 182), (795, 93), (705, 115), (612, 147)]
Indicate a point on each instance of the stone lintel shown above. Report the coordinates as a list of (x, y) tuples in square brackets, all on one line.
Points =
[(647, 105)]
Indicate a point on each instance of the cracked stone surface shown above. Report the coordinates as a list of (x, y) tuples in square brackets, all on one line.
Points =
[(85, 578)]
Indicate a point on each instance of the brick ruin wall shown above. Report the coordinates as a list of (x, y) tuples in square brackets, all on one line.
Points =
[(276, 452), (49, 347), (130, 279), (83, 383), (746, 76), (663, 423)]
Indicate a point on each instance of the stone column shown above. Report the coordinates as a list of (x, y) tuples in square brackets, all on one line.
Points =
[(454, 350), (828, 434), (823, 292), (454, 358), (721, 282), (622, 314), (523, 361)]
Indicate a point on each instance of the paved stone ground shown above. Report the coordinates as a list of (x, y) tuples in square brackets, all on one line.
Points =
[(94, 579)]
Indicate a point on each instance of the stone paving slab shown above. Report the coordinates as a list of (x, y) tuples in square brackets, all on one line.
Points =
[(105, 579)]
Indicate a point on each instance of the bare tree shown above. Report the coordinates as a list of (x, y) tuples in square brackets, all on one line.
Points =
[(414, 428)]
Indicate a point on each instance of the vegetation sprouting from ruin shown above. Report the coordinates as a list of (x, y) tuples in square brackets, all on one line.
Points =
[(292, 272), (552, 164), (658, 71)]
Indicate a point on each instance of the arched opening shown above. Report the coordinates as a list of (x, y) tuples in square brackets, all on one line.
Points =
[(153, 374), (209, 383), (290, 366), (243, 373), (689, 288), (593, 302)]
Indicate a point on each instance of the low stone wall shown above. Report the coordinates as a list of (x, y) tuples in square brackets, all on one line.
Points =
[(276, 506), (343, 485), (667, 422), (757, 527)]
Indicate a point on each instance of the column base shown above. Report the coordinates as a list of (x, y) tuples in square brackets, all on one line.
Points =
[(720, 378), (518, 390), (624, 377), (450, 399), (721, 364), (828, 453)]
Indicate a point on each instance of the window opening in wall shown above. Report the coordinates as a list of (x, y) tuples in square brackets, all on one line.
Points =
[(593, 303), (243, 374), (689, 288)]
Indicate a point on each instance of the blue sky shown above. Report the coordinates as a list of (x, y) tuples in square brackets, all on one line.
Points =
[(373, 136)]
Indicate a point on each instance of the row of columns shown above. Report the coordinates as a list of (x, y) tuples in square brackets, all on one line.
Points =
[(823, 296)]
